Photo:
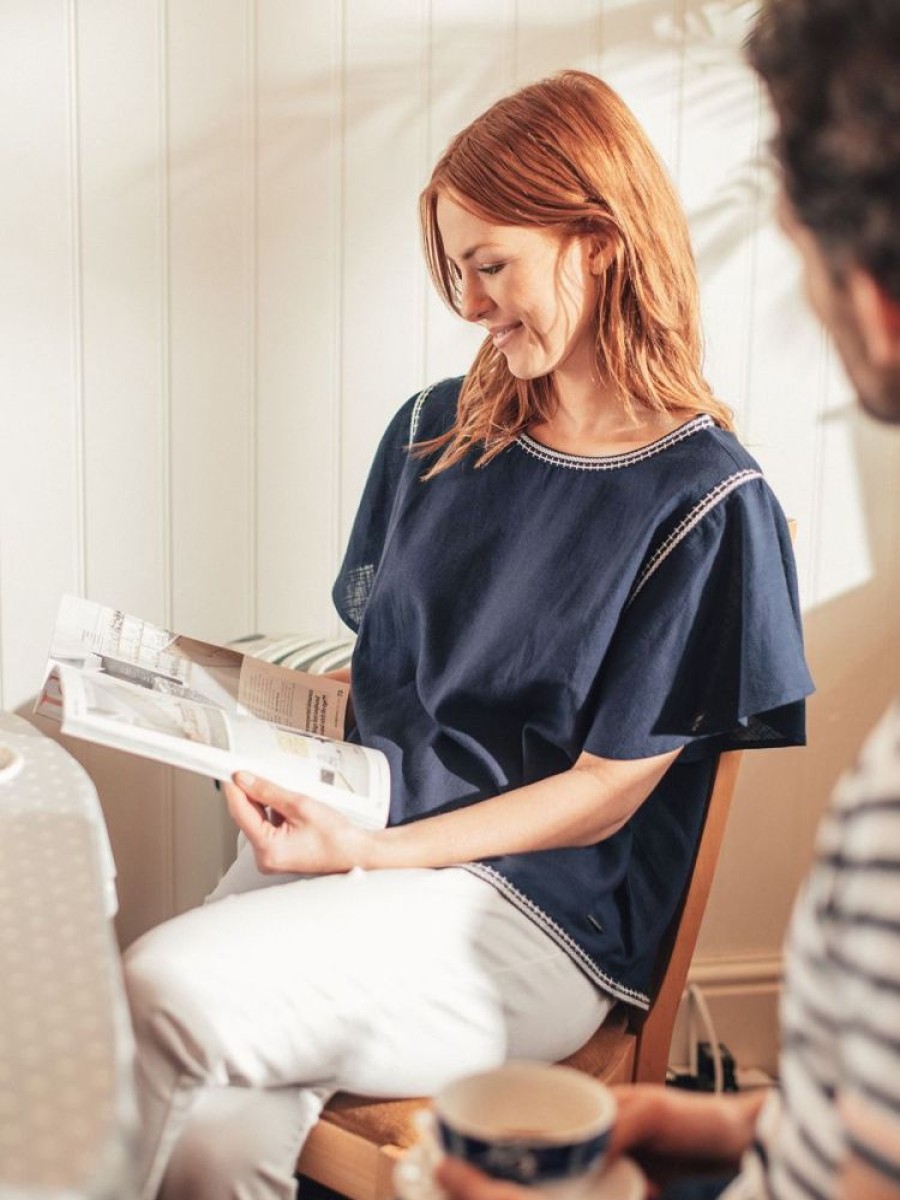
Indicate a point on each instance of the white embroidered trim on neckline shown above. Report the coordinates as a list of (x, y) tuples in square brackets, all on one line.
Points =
[(612, 462)]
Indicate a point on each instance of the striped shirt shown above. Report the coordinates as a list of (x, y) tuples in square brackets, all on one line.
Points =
[(840, 1009)]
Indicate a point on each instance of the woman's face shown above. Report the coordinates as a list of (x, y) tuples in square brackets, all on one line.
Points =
[(534, 292)]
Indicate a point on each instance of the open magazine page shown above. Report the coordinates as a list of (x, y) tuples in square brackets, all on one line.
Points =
[(101, 640), (294, 698), (184, 732)]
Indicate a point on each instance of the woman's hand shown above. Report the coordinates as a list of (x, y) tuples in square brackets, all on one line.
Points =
[(588, 802), (293, 833)]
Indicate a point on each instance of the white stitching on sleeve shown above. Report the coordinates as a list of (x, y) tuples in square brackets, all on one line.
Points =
[(417, 411), (693, 518)]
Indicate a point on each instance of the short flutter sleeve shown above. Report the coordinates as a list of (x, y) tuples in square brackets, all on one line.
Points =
[(371, 527), (708, 653)]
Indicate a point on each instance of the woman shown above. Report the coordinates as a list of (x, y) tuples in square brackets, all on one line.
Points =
[(572, 588)]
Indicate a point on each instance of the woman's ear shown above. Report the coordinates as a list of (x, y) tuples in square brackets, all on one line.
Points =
[(601, 252), (878, 318)]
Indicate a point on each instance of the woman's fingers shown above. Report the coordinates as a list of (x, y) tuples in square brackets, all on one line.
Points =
[(270, 795), (289, 831), (248, 814)]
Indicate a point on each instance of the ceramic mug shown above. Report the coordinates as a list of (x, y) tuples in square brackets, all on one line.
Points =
[(528, 1122)]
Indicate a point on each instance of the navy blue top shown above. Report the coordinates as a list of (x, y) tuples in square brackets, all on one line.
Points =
[(511, 616)]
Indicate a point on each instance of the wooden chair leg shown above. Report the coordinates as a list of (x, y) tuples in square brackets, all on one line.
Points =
[(358, 1169)]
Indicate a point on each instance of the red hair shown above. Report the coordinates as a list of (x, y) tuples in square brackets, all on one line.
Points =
[(566, 154)]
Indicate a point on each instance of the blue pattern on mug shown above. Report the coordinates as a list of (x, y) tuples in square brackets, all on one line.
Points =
[(521, 1161)]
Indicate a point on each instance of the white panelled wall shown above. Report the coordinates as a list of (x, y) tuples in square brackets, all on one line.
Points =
[(213, 299)]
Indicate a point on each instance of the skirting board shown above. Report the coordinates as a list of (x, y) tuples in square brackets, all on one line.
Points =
[(742, 997)]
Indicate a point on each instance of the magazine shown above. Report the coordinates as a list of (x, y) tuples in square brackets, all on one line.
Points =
[(122, 682)]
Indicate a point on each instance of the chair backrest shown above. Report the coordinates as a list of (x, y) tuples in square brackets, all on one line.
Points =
[(654, 1028), (354, 1147)]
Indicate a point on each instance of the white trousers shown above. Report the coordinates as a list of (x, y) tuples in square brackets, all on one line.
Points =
[(250, 1011)]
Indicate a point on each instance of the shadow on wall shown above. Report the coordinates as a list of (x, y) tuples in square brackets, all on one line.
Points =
[(660, 43), (854, 639), (853, 647)]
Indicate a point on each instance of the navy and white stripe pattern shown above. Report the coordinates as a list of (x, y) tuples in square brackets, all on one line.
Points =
[(840, 1013)]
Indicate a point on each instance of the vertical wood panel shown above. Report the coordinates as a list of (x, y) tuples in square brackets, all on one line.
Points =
[(725, 196), (212, 316), (381, 267), (549, 38), (41, 550), (211, 87), (471, 64), (119, 102), (298, 212), (123, 342), (643, 60)]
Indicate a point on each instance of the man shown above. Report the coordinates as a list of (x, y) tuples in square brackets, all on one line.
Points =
[(832, 69)]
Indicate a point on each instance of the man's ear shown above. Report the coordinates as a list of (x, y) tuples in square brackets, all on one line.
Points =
[(878, 317)]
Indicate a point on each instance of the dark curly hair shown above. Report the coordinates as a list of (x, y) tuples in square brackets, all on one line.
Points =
[(832, 69)]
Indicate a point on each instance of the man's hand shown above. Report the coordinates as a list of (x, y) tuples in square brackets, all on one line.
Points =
[(672, 1134), (462, 1182), (293, 833)]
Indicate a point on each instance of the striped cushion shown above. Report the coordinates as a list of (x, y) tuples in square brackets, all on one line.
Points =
[(297, 651)]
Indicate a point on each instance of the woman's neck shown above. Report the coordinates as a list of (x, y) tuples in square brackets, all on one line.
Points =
[(590, 419)]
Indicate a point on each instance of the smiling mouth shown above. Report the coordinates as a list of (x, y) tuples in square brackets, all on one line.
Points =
[(502, 334)]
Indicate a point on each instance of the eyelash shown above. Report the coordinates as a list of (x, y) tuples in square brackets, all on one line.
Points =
[(488, 269)]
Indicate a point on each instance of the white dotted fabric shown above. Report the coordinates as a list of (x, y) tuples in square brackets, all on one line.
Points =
[(66, 1102)]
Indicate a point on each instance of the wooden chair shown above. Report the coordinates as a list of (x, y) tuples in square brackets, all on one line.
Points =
[(355, 1145)]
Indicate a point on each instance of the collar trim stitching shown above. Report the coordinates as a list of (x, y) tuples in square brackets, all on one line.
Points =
[(612, 462)]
